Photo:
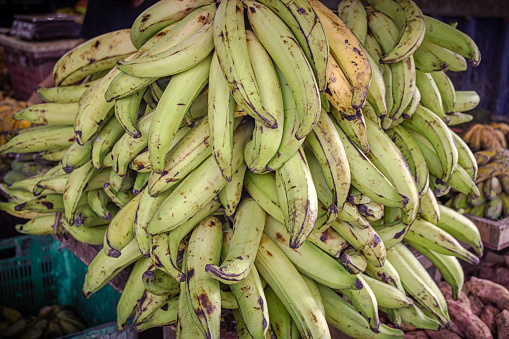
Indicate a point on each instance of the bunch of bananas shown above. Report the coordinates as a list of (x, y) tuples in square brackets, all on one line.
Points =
[(8, 125), (486, 136), (492, 183), (52, 321), (269, 157)]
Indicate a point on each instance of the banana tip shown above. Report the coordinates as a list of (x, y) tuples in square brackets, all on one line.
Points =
[(358, 284), (114, 253), (68, 169)]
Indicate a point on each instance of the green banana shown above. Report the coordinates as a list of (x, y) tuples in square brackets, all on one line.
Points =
[(64, 94), (221, 107), (173, 60), (265, 142), (132, 292), (353, 14), (183, 88), (237, 263), (337, 277), (364, 240), (165, 246), (283, 326), (159, 282), (36, 140), (435, 238), (343, 316), (191, 147), (449, 37), (231, 49), (231, 194), (291, 60), (77, 155), (297, 198), (292, 290), (353, 261), (160, 15), (204, 248), (49, 114), (197, 189)]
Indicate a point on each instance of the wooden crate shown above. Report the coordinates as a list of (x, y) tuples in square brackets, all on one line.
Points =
[(494, 234)]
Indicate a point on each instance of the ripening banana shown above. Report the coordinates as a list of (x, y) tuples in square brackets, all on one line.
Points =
[(291, 60), (302, 20), (347, 51)]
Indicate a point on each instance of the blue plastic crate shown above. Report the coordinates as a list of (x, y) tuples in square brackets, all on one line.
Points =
[(35, 272)]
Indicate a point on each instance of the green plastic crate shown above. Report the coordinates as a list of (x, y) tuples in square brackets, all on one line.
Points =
[(35, 272)]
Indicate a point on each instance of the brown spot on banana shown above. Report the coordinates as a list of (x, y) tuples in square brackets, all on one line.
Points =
[(205, 302)]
